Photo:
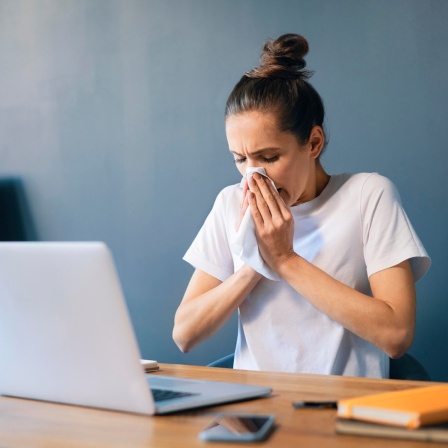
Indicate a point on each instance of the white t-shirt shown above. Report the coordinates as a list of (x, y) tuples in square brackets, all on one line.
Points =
[(354, 228)]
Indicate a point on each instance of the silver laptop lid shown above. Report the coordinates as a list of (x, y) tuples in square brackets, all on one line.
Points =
[(65, 330)]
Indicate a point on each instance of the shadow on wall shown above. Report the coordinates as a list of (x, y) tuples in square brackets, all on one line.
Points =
[(16, 223)]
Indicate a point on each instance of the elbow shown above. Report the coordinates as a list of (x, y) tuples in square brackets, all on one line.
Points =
[(396, 352), (184, 348), (182, 343), (399, 343)]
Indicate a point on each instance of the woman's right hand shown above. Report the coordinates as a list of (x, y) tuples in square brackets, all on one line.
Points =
[(244, 204)]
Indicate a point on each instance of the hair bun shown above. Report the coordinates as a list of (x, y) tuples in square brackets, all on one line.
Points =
[(283, 58)]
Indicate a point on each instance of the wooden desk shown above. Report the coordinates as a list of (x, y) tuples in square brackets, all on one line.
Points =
[(26, 423)]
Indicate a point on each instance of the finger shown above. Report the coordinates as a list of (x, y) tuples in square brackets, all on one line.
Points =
[(243, 208), (255, 212), (284, 210), (282, 207), (245, 190), (261, 205), (244, 202), (269, 194)]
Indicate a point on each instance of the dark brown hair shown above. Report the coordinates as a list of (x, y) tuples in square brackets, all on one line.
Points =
[(279, 85)]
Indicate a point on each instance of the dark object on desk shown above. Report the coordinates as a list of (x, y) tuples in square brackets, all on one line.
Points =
[(15, 216), (404, 368), (314, 404), (435, 433)]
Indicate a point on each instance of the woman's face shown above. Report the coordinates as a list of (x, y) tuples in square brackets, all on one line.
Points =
[(254, 140)]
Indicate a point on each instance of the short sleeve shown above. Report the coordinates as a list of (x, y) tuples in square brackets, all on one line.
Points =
[(210, 250), (388, 235)]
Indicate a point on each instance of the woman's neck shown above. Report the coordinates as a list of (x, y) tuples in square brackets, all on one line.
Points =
[(322, 178)]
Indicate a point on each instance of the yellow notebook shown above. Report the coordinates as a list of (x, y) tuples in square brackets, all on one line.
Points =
[(410, 408)]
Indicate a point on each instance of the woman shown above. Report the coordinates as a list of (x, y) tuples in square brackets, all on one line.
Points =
[(341, 246)]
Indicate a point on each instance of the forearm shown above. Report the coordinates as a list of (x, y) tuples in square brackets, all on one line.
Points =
[(387, 325), (199, 316)]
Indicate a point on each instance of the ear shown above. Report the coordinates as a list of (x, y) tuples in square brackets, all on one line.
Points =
[(316, 141)]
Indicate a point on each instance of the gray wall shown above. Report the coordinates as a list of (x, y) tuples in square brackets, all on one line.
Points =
[(112, 113)]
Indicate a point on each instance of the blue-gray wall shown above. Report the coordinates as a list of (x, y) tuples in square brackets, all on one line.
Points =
[(112, 113)]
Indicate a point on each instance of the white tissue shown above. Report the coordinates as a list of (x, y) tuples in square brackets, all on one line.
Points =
[(245, 244)]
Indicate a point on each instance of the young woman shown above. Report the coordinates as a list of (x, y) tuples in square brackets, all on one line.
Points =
[(342, 247)]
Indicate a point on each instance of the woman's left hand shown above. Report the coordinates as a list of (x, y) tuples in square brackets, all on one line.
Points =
[(274, 224)]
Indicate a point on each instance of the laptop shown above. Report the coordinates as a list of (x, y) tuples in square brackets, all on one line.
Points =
[(66, 336)]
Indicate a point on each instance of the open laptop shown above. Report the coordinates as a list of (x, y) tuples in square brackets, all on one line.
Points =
[(66, 336)]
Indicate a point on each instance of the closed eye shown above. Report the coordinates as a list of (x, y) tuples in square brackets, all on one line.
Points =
[(263, 159), (270, 159)]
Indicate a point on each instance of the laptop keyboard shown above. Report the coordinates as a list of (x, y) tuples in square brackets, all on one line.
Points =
[(166, 394)]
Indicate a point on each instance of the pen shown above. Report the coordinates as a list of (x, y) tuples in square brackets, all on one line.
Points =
[(315, 404)]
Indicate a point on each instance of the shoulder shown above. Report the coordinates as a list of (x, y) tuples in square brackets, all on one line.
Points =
[(362, 179), (367, 184), (377, 186), (378, 197)]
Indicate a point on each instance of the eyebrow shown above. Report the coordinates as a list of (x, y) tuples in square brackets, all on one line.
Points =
[(255, 153)]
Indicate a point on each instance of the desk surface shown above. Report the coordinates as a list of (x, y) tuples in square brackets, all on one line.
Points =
[(27, 423)]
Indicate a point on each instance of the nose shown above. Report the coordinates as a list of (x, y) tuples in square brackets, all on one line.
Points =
[(251, 170)]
